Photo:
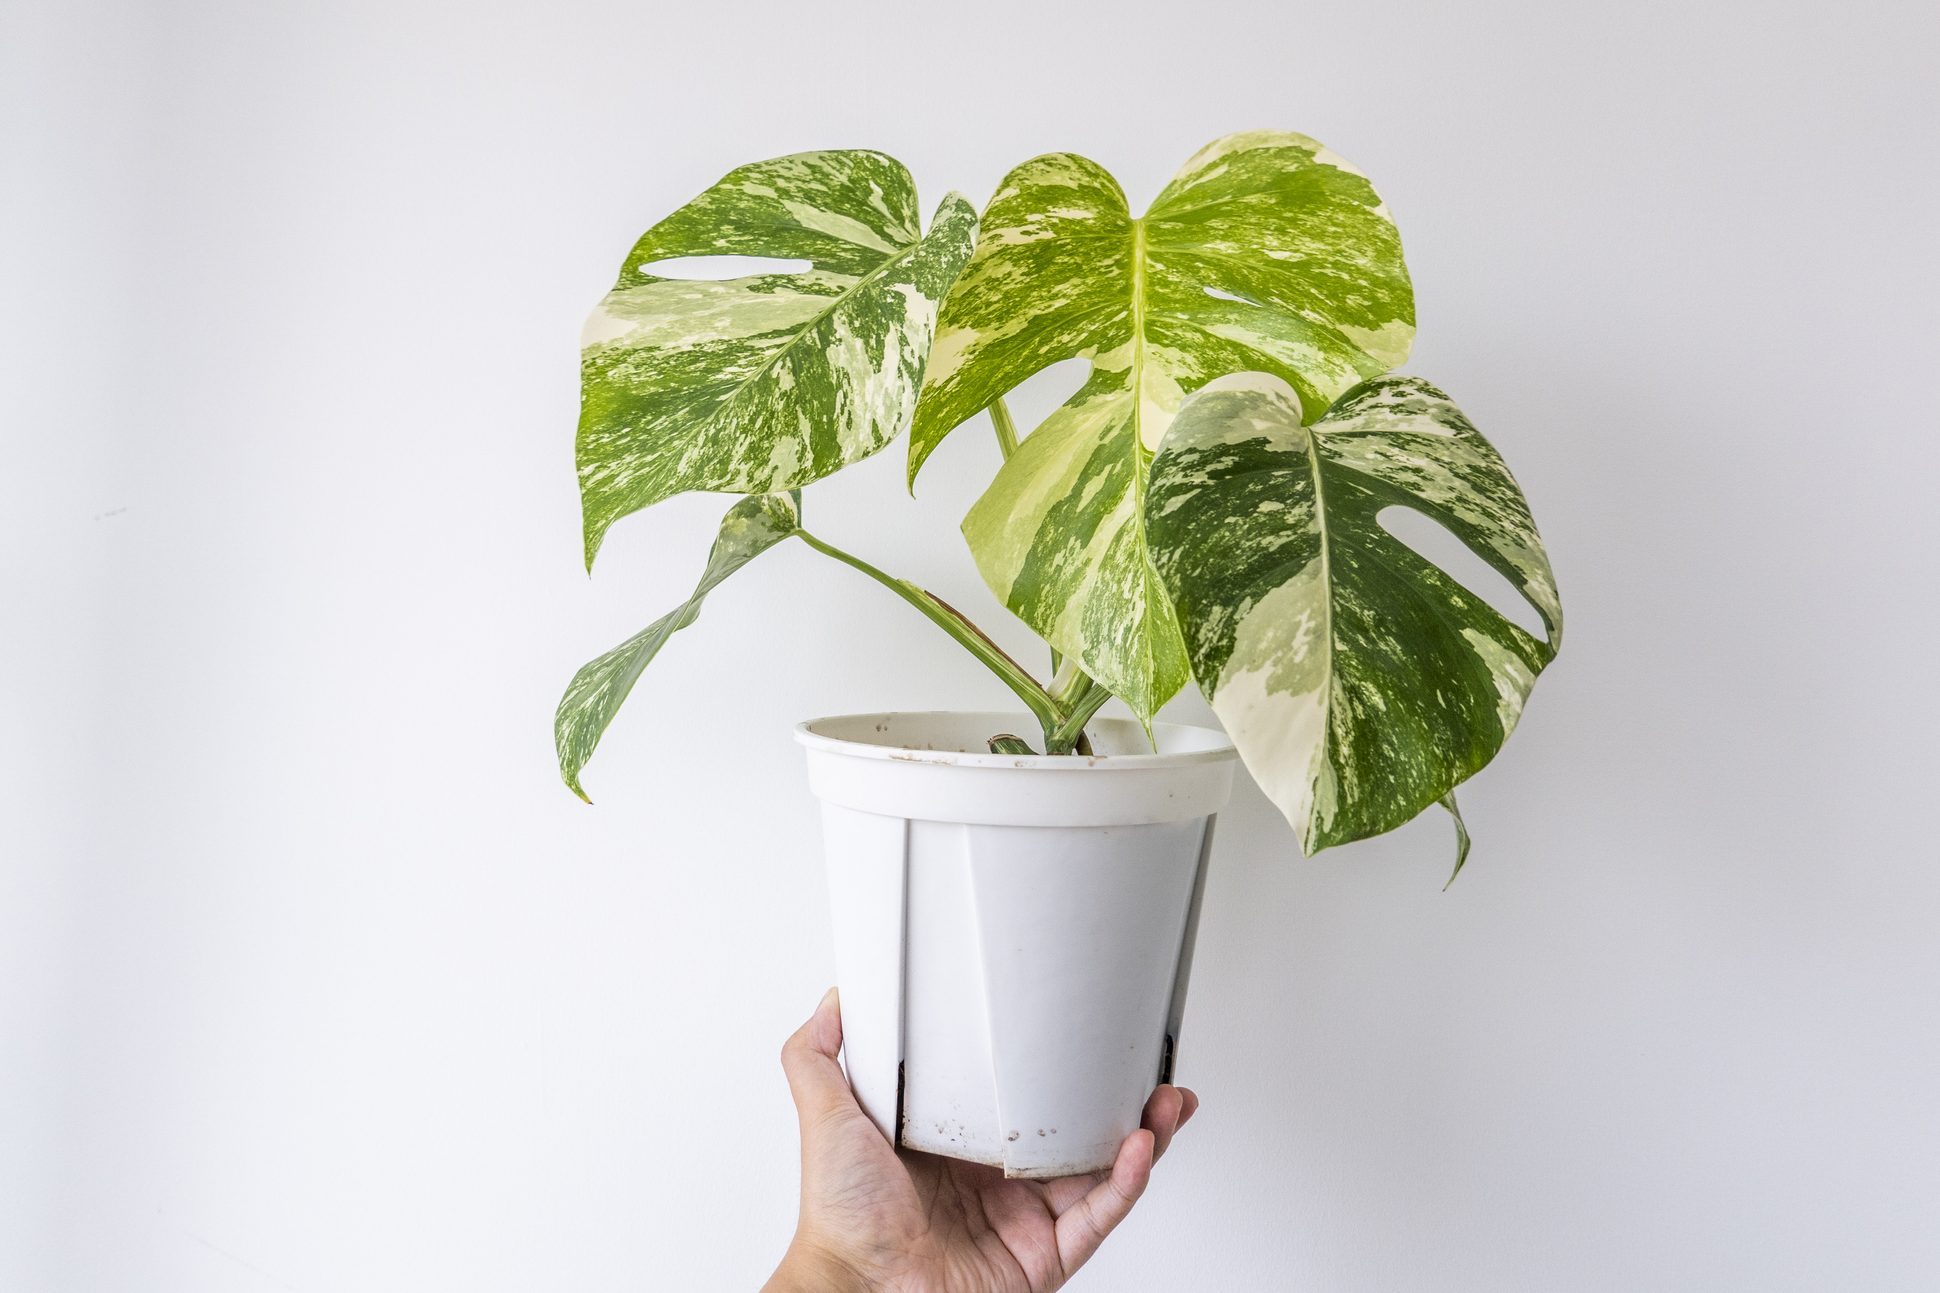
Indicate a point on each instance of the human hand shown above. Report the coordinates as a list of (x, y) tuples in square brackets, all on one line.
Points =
[(874, 1220)]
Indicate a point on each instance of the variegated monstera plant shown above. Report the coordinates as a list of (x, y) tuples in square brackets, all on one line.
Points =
[(1206, 507)]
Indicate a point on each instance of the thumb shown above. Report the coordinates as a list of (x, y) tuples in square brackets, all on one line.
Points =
[(809, 1058)]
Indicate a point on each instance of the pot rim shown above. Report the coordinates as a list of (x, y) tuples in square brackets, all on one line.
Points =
[(1212, 745)]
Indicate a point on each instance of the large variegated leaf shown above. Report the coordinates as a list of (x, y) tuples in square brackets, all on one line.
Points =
[(750, 528), (1358, 680), (1265, 252), (758, 384)]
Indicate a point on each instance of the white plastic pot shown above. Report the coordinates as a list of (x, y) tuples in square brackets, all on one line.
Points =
[(1012, 933)]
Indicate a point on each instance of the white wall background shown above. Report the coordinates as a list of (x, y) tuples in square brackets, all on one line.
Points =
[(313, 978)]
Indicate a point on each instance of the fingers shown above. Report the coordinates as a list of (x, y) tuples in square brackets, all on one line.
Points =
[(1085, 1224), (1162, 1114), (1105, 1205), (1165, 1113), (1168, 1109), (809, 1058)]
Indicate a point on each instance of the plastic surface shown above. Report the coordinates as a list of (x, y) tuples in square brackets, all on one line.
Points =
[(1012, 933)]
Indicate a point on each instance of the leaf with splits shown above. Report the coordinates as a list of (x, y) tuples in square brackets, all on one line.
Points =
[(750, 528), (1359, 682), (764, 383), (1267, 252)]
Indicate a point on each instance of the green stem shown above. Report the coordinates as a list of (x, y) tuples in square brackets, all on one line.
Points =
[(1006, 429), (1069, 732), (1069, 683), (1062, 711), (1050, 715)]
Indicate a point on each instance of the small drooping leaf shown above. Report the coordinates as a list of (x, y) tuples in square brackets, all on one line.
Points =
[(1265, 252), (765, 383), (1359, 682), (1461, 836), (751, 527)]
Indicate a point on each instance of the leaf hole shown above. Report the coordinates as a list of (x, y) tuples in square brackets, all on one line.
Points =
[(1437, 544), (721, 267), (1045, 391)]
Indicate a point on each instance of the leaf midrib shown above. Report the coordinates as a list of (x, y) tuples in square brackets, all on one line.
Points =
[(1312, 447), (835, 303), (1138, 442)]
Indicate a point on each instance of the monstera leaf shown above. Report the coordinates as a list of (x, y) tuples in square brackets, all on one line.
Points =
[(1266, 252), (751, 527), (759, 384), (1359, 682)]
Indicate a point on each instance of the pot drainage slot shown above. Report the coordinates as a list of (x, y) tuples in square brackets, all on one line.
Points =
[(898, 1124)]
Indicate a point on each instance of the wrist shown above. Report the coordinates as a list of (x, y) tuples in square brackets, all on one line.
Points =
[(807, 1269)]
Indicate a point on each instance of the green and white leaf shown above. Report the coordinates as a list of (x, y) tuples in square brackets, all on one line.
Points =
[(1359, 682), (751, 527), (761, 384), (1265, 252)]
